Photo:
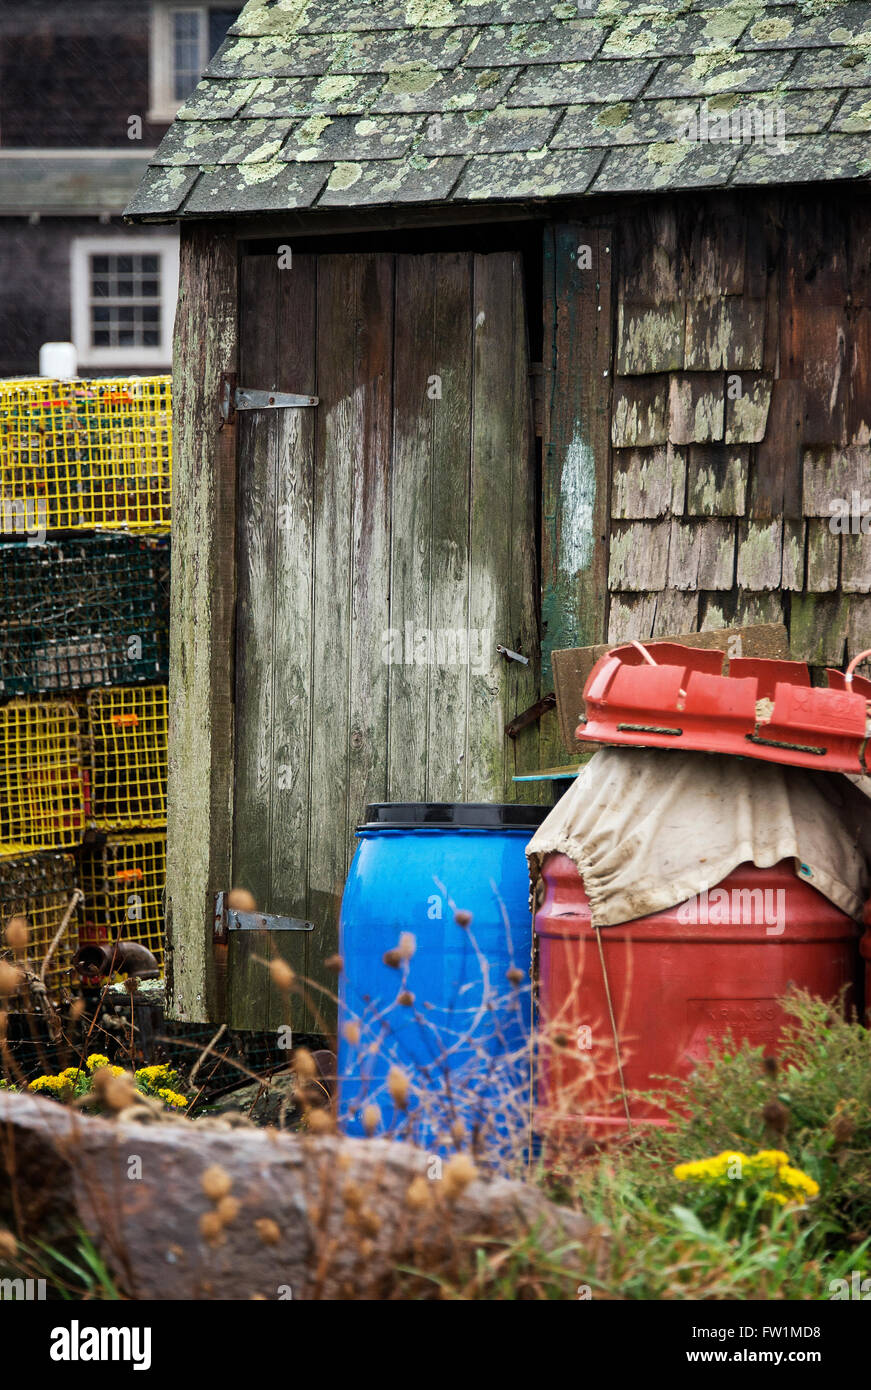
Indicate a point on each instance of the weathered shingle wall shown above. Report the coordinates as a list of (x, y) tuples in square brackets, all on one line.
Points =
[(72, 74), (741, 421)]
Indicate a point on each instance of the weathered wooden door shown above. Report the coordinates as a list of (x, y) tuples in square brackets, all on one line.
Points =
[(387, 545)]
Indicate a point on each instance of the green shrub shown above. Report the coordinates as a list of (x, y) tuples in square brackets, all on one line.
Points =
[(815, 1104), (712, 1233)]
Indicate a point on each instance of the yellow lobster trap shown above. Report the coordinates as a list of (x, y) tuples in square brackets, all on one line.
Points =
[(41, 784), (123, 881), (37, 889), (127, 756), (85, 455)]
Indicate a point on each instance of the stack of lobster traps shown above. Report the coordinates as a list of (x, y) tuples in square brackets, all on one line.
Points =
[(84, 566)]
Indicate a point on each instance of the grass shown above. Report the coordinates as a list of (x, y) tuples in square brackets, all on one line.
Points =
[(77, 1275)]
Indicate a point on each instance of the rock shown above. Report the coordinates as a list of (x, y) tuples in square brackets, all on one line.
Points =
[(263, 1102), (187, 1210), (271, 1101)]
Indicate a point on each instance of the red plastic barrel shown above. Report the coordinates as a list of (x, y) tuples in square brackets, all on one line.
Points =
[(713, 966)]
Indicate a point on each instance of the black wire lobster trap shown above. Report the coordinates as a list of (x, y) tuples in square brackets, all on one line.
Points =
[(82, 612)]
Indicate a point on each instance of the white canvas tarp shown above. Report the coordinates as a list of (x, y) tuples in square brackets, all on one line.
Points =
[(650, 828)]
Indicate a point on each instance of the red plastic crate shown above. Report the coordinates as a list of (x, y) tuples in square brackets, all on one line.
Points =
[(663, 695)]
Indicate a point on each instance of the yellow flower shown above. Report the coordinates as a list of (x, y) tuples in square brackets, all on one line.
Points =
[(51, 1085), (72, 1072), (798, 1181), (151, 1075), (173, 1098), (774, 1157), (710, 1169), (767, 1163), (97, 1059)]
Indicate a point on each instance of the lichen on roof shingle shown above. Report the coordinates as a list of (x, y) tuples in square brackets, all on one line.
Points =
[(312, 103)]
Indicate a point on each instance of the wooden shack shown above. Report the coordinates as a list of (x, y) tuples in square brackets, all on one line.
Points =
[(584, 294)]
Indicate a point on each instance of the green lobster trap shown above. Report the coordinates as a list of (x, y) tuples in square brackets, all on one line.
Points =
[(81, 613)]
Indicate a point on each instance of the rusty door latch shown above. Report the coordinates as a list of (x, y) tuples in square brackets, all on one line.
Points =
[(529, 716)]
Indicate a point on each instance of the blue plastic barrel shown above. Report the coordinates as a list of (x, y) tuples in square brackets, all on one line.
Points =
[(448, 1016)]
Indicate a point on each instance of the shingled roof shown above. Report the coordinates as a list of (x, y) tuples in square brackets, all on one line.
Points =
[(326, 103)]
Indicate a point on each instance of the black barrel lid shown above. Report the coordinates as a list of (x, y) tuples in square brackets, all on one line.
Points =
[(472, 815)]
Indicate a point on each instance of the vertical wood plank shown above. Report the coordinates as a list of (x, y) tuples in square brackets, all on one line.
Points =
[(259, 1008), (575, 485), (523, 753), (201, 677), (490, 522), (370, 586), (255, 655), (293, 628), (273, 661), (411, 537), (331, 609), (450, 471)]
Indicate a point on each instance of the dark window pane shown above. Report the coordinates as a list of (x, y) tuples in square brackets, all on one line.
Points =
[(99, 264), (125, 263), (125, 288), (185, 53), (150, 289), (219, 23), (100, 338), (149, 263), (99, 288), (101, 313), (126, 337), (151, 338), (150, 314)]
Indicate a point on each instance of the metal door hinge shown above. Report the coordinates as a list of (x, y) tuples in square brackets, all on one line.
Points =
[(235, 398), (229, 919)]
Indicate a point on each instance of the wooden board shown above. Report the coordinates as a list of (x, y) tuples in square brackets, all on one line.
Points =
[(576, 456), (572, 667), (386, 545), (202, 613), (501, 539)]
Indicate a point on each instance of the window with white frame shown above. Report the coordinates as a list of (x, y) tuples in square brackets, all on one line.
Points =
[(123, 300), (184, 38)]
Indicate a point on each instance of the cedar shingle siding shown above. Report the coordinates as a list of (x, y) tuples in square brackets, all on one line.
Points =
[(741, 413)]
